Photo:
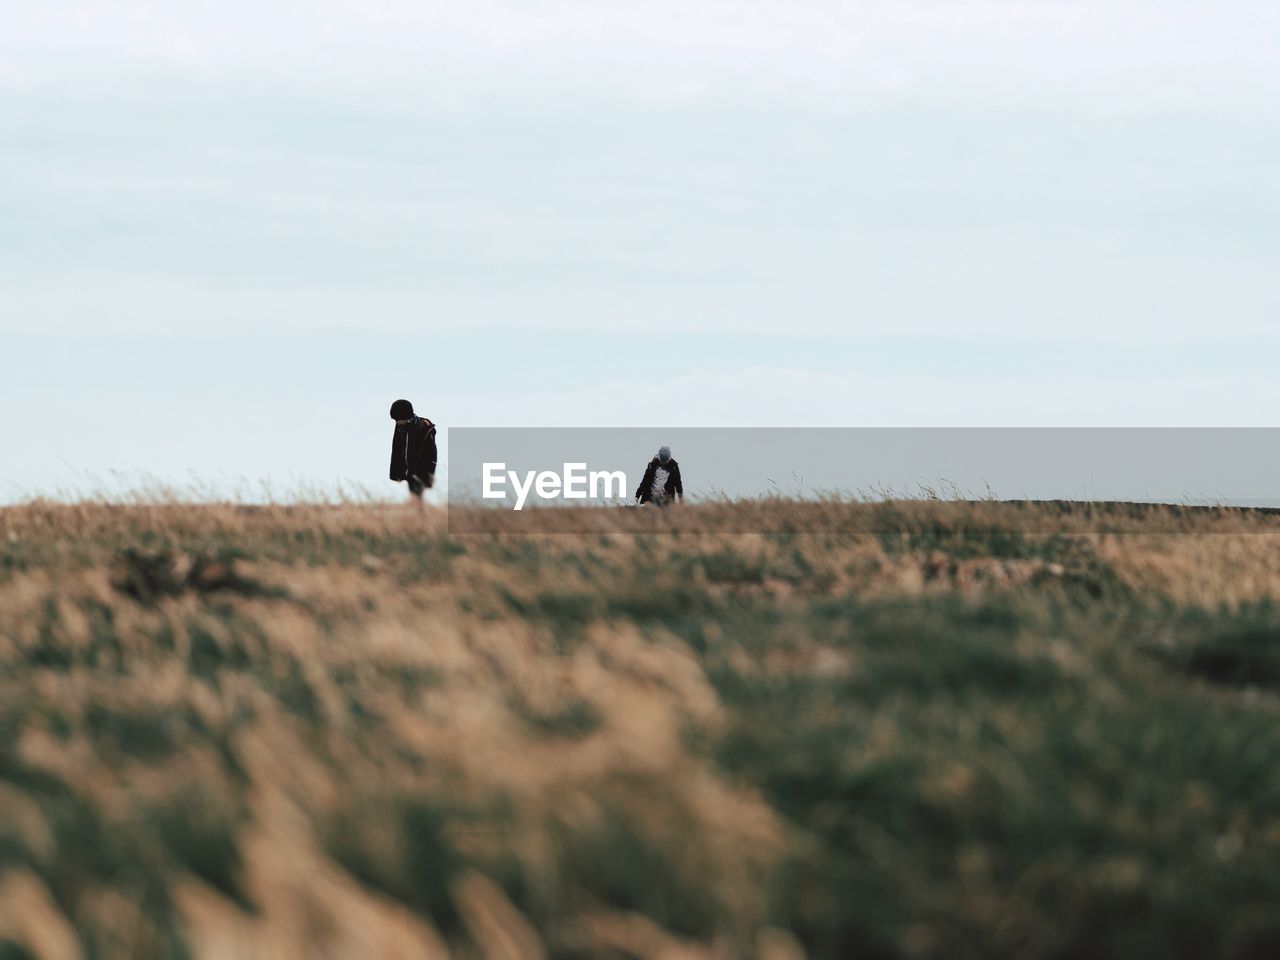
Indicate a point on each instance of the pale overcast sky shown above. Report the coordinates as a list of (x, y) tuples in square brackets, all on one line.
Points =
[(231, 233)]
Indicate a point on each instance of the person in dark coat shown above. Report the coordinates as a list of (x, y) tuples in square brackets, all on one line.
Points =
[(661, 483), (413, 449)]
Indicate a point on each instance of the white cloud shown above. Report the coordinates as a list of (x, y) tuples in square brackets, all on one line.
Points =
[(822, 50), (1038, 169), (788, 397)]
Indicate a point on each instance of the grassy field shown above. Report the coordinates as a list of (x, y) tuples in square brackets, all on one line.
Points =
[(341, 732)]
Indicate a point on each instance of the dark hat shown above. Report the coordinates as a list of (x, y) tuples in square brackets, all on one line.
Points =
[(401, 410)]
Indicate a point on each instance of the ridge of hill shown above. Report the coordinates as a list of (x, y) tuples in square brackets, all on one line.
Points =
[(978, 730)]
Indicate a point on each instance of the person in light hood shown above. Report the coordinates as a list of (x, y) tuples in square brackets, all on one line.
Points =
[(661, 483), (413, 449)]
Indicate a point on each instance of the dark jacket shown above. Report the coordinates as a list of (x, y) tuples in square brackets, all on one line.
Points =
[(673, 487), (413, 450)]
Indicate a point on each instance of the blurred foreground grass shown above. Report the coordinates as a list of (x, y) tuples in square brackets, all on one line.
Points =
[(340, 732)]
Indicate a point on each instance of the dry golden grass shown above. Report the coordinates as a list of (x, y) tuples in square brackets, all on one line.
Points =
[(235, 731)]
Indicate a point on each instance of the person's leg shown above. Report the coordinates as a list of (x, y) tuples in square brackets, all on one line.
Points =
[(416, 488)]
